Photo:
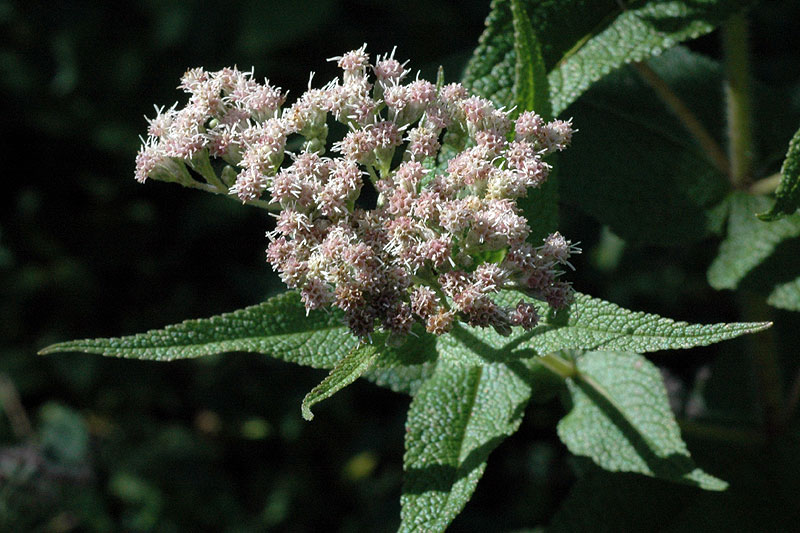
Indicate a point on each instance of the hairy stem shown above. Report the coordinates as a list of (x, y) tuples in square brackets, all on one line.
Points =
[(738, 87), (712, 149)]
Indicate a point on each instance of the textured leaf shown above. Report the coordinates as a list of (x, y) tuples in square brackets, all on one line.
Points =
[(787, 197), (786, 296), (401, 378), (749, 241), (531, 91), (455, 420), (348, 369), (621, 419), (634, 167), (583, 40), (278, 327), (588, 324)]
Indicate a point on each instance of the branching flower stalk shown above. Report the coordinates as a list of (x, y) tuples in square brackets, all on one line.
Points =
[(444, 235)]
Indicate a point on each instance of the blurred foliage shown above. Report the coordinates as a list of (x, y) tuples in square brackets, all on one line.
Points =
[(219, 443)]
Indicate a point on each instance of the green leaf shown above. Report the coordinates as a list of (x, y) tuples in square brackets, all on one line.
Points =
[(455, 420), (401, 378), (582, 41), (786, 296), (787, 197), (587, 324), (531, 91), (591, 324), (749, 241), (621, 419), (278, 327), (348, 369), (634, 167)]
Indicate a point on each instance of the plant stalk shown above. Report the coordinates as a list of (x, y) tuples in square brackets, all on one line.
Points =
[(738, 95)]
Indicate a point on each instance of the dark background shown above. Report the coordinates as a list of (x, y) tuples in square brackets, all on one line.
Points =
[(219, 443)]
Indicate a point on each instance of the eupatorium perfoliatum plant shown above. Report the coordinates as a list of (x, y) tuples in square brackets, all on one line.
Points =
[(421, 249)]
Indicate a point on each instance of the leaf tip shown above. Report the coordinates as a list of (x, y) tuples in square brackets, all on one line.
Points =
[(305, 410), (53, 348), (769, 216)]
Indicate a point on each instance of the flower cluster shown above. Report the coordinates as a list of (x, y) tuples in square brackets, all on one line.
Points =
[(446, 233)]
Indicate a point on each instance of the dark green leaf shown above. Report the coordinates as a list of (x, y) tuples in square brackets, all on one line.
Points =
[(455, 420), (531, 92), (582, 41), (749, 241), (621, 419), (348, 369), (787, 197), (632, 164)]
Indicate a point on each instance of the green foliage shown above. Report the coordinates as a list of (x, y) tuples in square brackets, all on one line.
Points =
[(786, 296), (279, 327), (749, 240), (787, 197), (456, 419), (348, 369), (621, 418), (532, 93), (637, 169), (593, 324), (585, 40), (475, 395)]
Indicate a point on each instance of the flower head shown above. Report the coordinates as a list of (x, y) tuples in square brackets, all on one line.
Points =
[(445, 235)]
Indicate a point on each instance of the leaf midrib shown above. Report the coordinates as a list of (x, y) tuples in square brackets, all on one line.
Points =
[(472, 399)]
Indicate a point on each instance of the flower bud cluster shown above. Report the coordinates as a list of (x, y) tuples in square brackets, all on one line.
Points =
[(444, 237)]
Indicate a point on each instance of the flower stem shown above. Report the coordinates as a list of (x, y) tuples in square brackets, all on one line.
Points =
[(222, 190), (713, 150), (738, 87)]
